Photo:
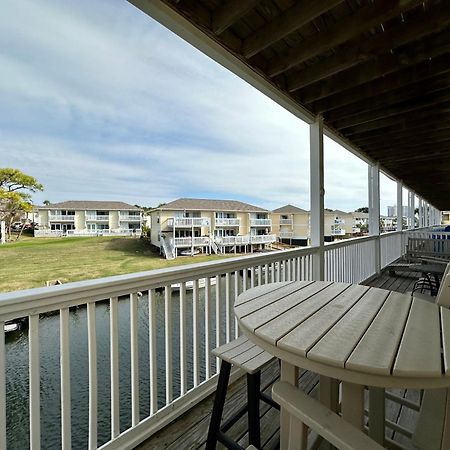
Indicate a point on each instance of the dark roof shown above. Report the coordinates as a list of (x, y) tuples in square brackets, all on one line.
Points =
[(289, 209), (201, 204), (88, 204), (377, 71)]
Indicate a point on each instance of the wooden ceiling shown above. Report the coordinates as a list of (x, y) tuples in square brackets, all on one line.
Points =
[(377, 71)]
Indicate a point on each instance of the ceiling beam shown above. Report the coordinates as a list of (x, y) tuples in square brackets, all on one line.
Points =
[(371, 70), (423, 102), (405, 77), (230, 12), (290, 20), (362, 20), (404, 94), (365, 49)]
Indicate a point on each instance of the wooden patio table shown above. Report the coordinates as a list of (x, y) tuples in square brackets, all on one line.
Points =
[(361, 335)]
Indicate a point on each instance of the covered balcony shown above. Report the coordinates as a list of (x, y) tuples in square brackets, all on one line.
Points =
[(227, 222), (260, 222), (187, 222), (373, 76)]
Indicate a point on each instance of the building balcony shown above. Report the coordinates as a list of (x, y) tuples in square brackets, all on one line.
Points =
[(130, 218), (132, 301), (189, 242), (227, 222), (186, 222), (233, 240), (260, 222), (286, 234), (97, 217), (338, 232), (286, 222), (61, 218), (263, 239)]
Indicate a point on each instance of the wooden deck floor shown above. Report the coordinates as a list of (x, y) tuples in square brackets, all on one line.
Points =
[(190, 430)]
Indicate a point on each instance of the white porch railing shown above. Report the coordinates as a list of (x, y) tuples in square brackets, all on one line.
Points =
[(286, 234), (48, 233), (260, 222), (130, 217), (233, 240), (286, 222), (61, 217), (114, 232), (227, 222), (263, 239), (189, 222), (94, 217), (188, 241), (392, 245)]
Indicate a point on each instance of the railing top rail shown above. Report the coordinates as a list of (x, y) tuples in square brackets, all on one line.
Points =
[(348, 242)]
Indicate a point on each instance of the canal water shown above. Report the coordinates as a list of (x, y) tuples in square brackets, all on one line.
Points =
[(17, 368)]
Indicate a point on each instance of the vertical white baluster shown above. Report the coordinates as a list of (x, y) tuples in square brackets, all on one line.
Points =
[(218, 318), (244, 280), (236, 293), (260, 275), (134, 344), (153, 352), (92, 358), (278, 265), (168, 341), (2, 387), (288, 263), (195, 335), (183, 340), (266, 274), (227, 307), (207, 328), (64, 358), (114, 361), (34, 374), (252, 277)]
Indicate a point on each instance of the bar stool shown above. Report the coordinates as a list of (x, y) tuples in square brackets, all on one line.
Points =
[(251, 358)]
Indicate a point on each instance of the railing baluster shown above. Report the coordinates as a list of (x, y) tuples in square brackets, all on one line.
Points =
[(207, 328), (153, 351), (114, 362), (244, 280), (259, 275), (227, 307), (195, 335), (266, 273), (236, 293), (288, 263), (2, 387), (183, 340), (134, 344), (168, 341), (64, 357), (218, 319), (252, 277), (92, 358), (34, 375)]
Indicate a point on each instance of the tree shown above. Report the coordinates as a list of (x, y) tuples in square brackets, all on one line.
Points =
[(364, 209), (15, 197), (46, 202)]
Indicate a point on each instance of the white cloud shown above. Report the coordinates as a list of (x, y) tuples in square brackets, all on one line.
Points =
[(101, 102)]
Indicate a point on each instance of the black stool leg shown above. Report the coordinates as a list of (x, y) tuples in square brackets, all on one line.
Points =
[(253, 390), (219, 402)]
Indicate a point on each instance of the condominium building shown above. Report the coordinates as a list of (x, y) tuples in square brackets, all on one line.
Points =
[(291, 224), (337, 223), (187, 226), (88, 218)]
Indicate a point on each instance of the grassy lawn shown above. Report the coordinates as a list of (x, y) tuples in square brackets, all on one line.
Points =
[(32, 261)]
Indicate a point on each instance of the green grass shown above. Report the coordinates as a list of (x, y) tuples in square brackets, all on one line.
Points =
[(30, 262)]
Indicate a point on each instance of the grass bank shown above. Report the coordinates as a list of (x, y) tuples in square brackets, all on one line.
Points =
[(30, 262)]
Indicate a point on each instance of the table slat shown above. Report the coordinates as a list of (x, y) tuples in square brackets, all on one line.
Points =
[(376, 351), (303, 337), (419, 354), (255, 301), (275, 322), (335, 347), (265, 313)]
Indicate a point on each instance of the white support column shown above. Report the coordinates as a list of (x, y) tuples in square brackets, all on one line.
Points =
[(413, 211), (317, 196), (374, 211), (410, 208), (420, 213), (399, 206), (3, 231)]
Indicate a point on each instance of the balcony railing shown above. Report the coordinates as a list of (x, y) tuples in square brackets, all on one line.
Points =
[(263, 239), (163, 359), (233, 240), (189, 242), (260, 222), (130, 217), (61, 217), (114, 232), (99, 217), (337, 232), (286, 221), (189, 222), (227, 222), (286, 234)]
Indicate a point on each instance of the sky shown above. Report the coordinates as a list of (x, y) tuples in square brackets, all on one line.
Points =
[(101, 102)]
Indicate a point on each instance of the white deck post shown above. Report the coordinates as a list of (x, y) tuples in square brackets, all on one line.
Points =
[(374, 211), (317, 196), (410, 208), (399, 206), (412, 211), (3, 231)]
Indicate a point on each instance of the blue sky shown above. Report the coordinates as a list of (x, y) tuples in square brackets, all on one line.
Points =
[(101, 102)]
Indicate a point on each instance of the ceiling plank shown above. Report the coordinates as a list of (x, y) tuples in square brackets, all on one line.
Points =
[(404, 94), (372, 70), (290, 20), (364, 19), (411, 30), (230, 12), (395, 80), (386, 149), (395, 110)]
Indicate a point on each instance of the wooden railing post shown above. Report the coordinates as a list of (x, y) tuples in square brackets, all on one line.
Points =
[(317, 196), (374, 212)]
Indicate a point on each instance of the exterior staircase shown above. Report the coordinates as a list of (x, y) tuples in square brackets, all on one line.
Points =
[(215, 248), (168, 248)]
